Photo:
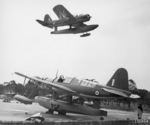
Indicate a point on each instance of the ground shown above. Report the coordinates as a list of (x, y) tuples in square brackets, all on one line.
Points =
[(14, 111)]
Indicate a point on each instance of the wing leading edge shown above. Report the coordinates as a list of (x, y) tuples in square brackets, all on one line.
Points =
[(62, 12), (48, 83)]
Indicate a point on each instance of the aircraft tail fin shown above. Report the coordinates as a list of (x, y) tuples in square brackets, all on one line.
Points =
[(119, 80), (62, 12), (47, 18)]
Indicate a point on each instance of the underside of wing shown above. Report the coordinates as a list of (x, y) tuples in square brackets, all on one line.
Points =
[(48, 83), (62, 12)]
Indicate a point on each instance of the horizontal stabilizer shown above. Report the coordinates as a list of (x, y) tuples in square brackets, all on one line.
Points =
[(134, 96), (120, 93)]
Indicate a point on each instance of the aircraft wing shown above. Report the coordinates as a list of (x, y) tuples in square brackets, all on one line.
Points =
[(62, 12), (48, 83), (36, 116)]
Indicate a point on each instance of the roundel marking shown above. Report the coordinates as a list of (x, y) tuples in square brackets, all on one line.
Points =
[(96, 92)]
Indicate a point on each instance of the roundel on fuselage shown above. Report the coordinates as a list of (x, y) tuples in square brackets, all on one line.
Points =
[(96, 92)]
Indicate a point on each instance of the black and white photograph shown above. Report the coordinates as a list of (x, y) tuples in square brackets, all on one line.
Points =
[(75, 62)]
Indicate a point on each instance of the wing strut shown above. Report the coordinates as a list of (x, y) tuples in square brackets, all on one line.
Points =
[(69, 99), (24, 81), (55, 28)]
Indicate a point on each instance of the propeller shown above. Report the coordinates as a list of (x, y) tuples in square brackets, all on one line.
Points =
[(56, 76), (57, 73)]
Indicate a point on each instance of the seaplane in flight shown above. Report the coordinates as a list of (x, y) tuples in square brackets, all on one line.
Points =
[(70, 94), (75, 23)]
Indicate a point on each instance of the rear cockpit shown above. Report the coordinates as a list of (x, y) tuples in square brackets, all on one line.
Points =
[(88, 83)]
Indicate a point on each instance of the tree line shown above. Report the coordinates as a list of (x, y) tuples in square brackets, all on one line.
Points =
[(29, 90)]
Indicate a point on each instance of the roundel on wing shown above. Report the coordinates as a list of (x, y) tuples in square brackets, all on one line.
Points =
[(96, 92)]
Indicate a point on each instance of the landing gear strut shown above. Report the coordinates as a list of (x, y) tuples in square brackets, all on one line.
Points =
[(56, 28), (62, 112), (70, 27), (50, 111), (69, 99)]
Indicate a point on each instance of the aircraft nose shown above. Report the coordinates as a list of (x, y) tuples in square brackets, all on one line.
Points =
[(88, 16), (94, 26)]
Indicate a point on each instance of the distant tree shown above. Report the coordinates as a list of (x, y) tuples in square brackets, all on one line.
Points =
[(10, 86), (1, 88), (142, 93), (147, 98), (13, 85), (20, 89)]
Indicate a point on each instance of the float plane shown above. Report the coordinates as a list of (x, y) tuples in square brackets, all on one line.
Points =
[(75, 23), (69, 94)]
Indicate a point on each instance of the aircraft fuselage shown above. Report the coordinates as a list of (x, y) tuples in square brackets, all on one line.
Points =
[(91, 89), (64, 22)]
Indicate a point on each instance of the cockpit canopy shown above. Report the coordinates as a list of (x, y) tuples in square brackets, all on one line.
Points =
[(83, 16), (81, 82), (64, 80)]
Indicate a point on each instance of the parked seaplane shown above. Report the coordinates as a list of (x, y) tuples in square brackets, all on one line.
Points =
[(69, 94)]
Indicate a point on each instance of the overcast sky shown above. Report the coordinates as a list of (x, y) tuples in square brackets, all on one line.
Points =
[(121, 40)]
